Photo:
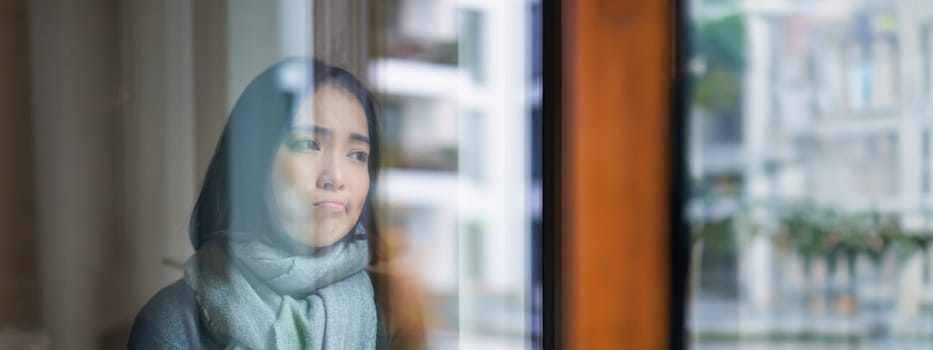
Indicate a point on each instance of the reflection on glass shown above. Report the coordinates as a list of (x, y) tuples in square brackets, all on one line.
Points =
[(809, 159), (458, 160), (145, 104)]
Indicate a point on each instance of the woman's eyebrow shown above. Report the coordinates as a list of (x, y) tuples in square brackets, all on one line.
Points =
[(325, 131), (313, 129), (359, 137)]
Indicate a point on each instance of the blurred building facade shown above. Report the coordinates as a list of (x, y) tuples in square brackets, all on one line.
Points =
[(834, 114)]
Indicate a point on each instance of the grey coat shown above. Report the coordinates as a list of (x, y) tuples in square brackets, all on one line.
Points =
[(171, 320)]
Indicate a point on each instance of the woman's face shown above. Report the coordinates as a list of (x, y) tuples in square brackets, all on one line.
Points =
[(321, 169)]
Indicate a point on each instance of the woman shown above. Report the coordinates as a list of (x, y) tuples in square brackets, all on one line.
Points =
[(284, 226)]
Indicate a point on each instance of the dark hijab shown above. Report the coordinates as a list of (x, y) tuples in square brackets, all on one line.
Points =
[(236, 200)]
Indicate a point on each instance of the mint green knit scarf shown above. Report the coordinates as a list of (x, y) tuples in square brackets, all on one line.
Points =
[(254, 296)]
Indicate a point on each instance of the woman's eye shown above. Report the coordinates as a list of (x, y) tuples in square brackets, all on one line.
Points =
[(304, 145), (359, 156)]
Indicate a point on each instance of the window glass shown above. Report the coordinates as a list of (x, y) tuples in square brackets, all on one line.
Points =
[(808, 157), (248, 165)]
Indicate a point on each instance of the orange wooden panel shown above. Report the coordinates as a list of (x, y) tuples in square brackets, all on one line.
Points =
[(616, 116)]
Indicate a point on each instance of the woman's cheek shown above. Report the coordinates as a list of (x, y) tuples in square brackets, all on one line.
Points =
[(362, 183), (300, 172)]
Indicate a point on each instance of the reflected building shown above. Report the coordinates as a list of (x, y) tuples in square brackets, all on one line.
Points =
[(452, 86)]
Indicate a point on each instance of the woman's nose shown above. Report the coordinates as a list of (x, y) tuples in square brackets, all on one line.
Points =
[(330, 176)]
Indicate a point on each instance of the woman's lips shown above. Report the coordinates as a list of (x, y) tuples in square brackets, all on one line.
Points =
[(331, 206)]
